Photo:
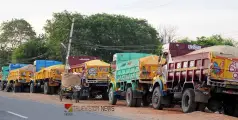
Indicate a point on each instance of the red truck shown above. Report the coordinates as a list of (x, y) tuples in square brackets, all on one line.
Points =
[(196, 78)]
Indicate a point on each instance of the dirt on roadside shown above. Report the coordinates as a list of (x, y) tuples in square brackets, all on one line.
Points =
[(122, 111)]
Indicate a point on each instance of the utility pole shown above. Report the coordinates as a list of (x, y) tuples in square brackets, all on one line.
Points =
[(69, 46)]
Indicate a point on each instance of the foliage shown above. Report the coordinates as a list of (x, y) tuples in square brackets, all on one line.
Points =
[(15, 32), (57, 31), (98, 34), (29, 51), (210, 41)]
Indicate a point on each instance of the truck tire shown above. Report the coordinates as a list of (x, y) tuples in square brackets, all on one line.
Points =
[(229, 108), (201, 107), (188, 101), (105, 95), (46, 88), (7, 89), (214, 105), (52, 89), (138, 102), (16, 89), (61, 95), (157, 99), (76, 96), (112, 97), (146, 99), (131, 102), (32, 88), (1, 86)]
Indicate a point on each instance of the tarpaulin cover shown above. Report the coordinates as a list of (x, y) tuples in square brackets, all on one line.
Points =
[(30, 67), (220, 50), (70, 79), (96, 63)]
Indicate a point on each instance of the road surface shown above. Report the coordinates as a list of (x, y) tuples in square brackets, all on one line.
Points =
[(17, 109)]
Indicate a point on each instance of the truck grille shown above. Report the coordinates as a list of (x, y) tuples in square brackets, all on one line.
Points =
[(222, 83)]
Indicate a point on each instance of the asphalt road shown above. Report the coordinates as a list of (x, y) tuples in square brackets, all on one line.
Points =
[(15, 109)]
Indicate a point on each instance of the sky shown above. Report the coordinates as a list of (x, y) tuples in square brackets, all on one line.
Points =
[(192, 18)]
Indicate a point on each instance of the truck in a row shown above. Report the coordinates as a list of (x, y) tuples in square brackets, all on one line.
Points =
[(192, 76), (44, 76), (184, 74)]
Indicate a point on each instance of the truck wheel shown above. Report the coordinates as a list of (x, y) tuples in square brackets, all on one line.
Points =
[(112, 97), (76, 96), (201, 107), (138, 102), (214, 105), (1, 86), (15, 88), (157, 99), (188, 101), (229, 108), (32, 88), (146, 99), (61, 95), (105, 95), (52, 89), (131, 102), (46, 88)]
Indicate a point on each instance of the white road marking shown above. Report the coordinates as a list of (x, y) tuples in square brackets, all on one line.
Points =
[(17, 114)]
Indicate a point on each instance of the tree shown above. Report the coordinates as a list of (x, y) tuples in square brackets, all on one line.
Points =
[(29, 51), (167, 33), (57, 31), (101, 34), (15, 32), (210, 41)]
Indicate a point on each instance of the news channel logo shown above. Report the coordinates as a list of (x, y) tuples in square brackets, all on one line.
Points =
[(68, 109)]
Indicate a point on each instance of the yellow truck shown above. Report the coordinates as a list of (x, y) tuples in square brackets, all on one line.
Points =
[(48, 79), (94, 78), (18, 79)]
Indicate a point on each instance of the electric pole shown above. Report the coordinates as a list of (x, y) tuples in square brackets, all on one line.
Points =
[(69, 46)]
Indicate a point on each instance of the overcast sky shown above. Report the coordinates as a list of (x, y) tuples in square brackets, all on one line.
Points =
[(192, 17)]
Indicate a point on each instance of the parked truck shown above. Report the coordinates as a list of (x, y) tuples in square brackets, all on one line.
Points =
[(197, 78), (94, 80), (133, 74), (18, 79), (4, 75), (48, 78)]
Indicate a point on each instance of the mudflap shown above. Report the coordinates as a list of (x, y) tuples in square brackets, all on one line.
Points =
[(201, 97), (137, 94)]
